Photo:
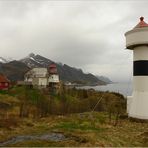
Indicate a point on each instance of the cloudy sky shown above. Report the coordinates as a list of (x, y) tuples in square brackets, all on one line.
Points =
[(83, 34)]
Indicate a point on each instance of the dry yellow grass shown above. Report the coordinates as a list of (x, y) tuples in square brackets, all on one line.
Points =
[(80, 131)]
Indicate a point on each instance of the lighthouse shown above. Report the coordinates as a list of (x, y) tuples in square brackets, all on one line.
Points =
[(53, 77), (137, 41)]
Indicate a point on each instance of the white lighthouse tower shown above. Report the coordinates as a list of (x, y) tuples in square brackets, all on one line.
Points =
[(137, 40)]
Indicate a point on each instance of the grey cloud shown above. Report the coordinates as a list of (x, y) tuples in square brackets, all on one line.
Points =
[(85, 34)]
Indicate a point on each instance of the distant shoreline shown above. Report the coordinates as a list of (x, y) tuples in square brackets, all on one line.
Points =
[(124, 88), (82, 85)]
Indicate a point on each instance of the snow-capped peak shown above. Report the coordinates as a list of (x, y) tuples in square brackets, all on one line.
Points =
[(2, 60), (35, 60), (5, 60)]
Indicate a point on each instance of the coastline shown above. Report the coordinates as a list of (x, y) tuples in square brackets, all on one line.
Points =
[(122, 88)]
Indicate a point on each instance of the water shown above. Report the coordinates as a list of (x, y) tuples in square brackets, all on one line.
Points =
[(123, 88)]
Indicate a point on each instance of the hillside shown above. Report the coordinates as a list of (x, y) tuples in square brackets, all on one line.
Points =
[(72, 74), (32, 118), (14, 70), (104, 79)]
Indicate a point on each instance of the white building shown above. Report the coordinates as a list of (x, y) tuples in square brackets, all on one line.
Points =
[(41, 77), (137, 40), (54, 78), (38, 77)]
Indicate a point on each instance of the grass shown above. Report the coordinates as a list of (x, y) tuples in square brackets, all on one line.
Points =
[(71, 126), (80, 131)]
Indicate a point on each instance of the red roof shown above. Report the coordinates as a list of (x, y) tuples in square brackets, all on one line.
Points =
[(52, 65), (52, 68), (3, 78), (141, 23)]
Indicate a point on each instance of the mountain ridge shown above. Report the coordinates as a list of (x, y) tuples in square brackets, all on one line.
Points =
[(66, 72), (105, 79), (16, 69)]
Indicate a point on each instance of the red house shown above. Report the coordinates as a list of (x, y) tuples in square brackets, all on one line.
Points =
[(4, 82)]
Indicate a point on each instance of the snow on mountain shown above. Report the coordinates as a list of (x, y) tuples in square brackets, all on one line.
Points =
[(33, 60), (9, 59), (3, 60)]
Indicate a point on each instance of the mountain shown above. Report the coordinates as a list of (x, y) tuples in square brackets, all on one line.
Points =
[(105, 79), (66, 73), (14, 70), (75, 75), (3, 60), (33, 60)]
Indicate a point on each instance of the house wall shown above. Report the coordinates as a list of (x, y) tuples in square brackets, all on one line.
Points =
[(39, 77), (43, 81), (28, 79), (35, 81), (40, 82), (40, 72), (53, 78), (4, 85)]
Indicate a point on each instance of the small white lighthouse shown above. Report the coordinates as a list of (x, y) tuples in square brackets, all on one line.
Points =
[(137, 40)]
